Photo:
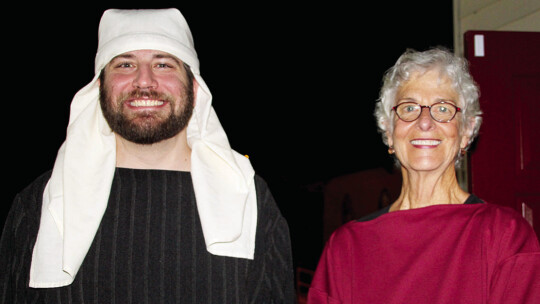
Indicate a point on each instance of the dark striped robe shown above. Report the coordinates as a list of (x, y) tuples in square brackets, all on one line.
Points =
[(150, 249)]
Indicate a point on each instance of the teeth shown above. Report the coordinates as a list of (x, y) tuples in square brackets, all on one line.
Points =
[(425, 142), (146, 103)]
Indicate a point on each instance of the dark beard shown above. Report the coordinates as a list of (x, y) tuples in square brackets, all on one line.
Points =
[(146, 128)]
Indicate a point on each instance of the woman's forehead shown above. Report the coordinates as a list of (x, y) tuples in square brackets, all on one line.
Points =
[(427, 84)]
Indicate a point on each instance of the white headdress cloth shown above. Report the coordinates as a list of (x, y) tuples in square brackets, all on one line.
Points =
[(76, 196)]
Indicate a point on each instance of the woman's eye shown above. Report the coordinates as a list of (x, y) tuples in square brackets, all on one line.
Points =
[(442, 109)]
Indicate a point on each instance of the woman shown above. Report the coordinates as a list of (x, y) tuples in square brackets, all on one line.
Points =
[(436, 243)]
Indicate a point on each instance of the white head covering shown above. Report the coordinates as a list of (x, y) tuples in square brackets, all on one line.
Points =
[(76, 196)]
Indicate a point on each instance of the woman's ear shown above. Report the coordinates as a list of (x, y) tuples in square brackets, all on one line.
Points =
[(467, 133), (389, 139)]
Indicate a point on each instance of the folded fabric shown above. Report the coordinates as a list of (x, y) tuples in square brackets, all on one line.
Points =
[(76, 196)]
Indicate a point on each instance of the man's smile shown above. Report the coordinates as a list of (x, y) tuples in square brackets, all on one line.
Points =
[(145, 103)]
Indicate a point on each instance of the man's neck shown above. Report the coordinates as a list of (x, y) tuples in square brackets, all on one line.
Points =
[(171, 154)]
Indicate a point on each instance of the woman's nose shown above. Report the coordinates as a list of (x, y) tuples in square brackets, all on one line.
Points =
[(425, 121)]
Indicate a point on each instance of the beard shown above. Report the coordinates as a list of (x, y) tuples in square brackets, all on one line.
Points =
[(147, 127)]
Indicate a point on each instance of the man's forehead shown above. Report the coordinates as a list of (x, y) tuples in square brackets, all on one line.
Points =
[(154, 54)]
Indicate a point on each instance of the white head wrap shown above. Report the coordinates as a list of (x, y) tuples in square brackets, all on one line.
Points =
[(76, 196)]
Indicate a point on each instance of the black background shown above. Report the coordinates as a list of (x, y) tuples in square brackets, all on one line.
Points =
[(294, 87)]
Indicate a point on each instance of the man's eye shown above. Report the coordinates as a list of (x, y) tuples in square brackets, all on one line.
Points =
[(124, 65), (164, 66)]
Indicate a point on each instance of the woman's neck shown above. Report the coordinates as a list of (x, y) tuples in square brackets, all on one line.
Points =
[(422, 189)]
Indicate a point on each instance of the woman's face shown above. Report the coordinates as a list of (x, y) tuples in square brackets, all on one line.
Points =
[(425, 144)]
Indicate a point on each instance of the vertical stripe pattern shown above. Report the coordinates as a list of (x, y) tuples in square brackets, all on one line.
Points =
[(150, 249)]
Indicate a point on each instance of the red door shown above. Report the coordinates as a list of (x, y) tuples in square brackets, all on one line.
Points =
[(504, 165)]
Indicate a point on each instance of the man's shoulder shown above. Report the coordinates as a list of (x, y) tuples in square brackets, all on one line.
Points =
[(260, 183), (37, 186), (266, 204), (31, 197), (25, 210), (264, 195)]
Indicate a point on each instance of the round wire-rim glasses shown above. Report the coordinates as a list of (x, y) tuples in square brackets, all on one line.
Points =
[(441, 111)]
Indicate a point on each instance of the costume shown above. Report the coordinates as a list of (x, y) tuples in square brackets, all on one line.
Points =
[(235, 213), (469, 253), (150, 249)]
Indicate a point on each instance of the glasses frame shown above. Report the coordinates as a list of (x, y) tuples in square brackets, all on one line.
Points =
[(458, 109)]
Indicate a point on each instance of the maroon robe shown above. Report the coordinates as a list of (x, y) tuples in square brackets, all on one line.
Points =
[(480, 253)]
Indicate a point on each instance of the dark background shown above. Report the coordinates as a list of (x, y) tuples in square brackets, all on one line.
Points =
[(294, 87)]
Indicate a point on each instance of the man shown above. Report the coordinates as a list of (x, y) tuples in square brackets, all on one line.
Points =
[(146, 202)]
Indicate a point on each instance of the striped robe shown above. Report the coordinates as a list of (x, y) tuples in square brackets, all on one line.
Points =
[(150, 249)]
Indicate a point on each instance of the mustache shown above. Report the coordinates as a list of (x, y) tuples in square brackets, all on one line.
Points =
[(138, 93)]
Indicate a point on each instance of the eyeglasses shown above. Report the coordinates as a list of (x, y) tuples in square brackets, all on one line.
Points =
[(441, 111)]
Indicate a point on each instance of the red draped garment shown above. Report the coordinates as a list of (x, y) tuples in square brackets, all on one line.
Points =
[(479, 253)]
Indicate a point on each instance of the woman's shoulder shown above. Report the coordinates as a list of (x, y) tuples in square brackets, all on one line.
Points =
[(505, 227), (345, 235), (476, 213), (502, 214)]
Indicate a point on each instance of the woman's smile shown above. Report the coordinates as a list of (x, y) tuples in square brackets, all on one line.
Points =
[(425, 143)]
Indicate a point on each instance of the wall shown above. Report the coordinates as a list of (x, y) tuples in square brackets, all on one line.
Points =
[(356, 195), (495, 15)]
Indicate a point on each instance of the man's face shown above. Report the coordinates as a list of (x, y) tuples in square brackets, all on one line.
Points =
[(146, 96)]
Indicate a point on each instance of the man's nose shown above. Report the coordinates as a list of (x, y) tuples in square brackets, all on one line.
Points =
[(145, 78)]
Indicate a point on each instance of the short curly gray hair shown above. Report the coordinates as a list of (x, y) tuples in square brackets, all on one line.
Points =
[(454, 67)]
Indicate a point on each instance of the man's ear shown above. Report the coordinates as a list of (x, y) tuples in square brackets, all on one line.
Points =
[(195, 90)]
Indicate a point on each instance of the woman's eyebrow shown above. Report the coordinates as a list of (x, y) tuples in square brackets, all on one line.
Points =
[(405, 99), (447, 100)]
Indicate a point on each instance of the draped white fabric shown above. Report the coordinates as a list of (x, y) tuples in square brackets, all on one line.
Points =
[(76, 196)]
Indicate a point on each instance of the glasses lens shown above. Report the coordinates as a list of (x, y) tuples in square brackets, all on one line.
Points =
[(443, 112), (408, 111)]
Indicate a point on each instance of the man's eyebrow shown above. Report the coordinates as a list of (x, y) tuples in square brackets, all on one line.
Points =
[(168, 56), (122, 56), (156, 56)]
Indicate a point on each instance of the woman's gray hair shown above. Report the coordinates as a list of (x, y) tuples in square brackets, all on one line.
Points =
[(454, 67)]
